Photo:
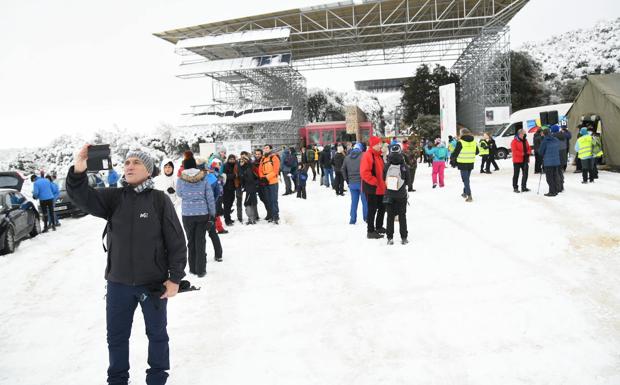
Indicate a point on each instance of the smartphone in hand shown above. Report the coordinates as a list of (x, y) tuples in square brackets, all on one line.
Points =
[(99, 158)]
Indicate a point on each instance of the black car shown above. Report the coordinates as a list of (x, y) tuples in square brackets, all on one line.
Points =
[(64, 207), (19, 219)]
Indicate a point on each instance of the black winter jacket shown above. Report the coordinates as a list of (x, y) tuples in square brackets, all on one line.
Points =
[(144, 246), (338, 161), (325, 157), (248, 179)]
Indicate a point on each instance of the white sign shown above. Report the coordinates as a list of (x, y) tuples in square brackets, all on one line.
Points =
[(447, 111), (235, 147), (496, 115)]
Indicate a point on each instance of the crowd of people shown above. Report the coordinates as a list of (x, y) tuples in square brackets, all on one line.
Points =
[(149, 245)]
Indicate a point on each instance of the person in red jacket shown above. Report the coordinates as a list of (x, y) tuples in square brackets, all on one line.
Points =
[(520, 160), (373, 185)]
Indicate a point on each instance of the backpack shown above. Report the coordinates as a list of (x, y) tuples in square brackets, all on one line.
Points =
[(158, 203), (394, 179), (310, 156)]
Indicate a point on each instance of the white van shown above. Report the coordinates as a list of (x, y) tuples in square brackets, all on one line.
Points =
[(529, 119)]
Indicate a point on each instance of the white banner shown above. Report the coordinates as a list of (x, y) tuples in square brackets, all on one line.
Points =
[(447, 111)]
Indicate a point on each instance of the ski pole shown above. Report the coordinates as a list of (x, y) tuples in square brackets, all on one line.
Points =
[(539, 179)]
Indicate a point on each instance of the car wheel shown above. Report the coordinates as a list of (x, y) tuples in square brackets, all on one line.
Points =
[(9, 241), (36, 227), (502, 153)]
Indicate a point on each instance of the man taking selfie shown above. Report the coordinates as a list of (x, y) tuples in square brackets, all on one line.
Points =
[(146, 259)]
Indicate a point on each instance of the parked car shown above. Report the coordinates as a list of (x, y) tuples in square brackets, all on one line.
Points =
[(19, 219), (64, 207)]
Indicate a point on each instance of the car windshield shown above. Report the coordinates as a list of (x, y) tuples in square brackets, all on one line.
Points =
[(499, 130), (7, 181)]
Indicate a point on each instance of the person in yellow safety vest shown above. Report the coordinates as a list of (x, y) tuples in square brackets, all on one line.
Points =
[(463, 157), (583, 148), (597, 151), (483, 150)]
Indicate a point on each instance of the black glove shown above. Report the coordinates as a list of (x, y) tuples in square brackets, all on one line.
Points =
[(264, 180), (210, 222), (171, 190)]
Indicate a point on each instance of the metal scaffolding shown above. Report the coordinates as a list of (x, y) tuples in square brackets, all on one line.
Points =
[(350, 34), (484, 70)]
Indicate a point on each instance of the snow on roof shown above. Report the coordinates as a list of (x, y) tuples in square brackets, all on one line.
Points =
[(280, 33)]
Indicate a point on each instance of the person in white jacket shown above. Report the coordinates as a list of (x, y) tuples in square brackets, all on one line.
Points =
[(166, 181)]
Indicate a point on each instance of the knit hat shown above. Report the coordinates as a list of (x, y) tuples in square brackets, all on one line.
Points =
[(555, 128), (221, 148), (144, 157), (359, 146), (374, 140), (395, 148), (583, 131)]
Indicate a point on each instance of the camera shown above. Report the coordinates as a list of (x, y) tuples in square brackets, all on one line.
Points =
[(99, 158)]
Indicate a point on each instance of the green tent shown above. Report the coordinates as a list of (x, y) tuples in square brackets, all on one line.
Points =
[(600, 99)]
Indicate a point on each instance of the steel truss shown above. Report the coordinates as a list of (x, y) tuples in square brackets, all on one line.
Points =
[(366, 32), (484, 70)]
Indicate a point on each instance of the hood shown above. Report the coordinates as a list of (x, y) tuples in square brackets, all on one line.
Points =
[(193, 175), (327, 148), (467, 138), (165, 162), (396, 158), (355, 153)]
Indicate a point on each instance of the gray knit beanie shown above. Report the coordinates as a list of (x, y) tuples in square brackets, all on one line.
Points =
[(144, 157)]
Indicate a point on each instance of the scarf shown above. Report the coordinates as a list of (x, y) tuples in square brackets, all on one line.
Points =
[(146, 185)]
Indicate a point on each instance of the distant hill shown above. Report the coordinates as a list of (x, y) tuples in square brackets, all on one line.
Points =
[(575, 54)]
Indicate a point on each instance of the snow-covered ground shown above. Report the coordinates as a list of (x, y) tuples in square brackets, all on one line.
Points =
[(509, 289)]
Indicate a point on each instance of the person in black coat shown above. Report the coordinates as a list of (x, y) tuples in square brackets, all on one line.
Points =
[(492, 153), (338, 162), (395, 197), (146, 258), (249, 184), (559, 135), (538, 159)]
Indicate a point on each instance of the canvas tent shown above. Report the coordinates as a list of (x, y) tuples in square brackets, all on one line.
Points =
[(600, 98)]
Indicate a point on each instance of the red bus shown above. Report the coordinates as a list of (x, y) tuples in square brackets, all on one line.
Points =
[(323, 133)]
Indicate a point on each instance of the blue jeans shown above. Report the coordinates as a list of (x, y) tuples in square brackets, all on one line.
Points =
[(465, 174), (356, 192), (121, 303), (272, 193), (328, 176)]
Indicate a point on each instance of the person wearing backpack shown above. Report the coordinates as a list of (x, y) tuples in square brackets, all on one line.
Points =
[(373, 185), (338, 162), (439, 153), (268, 173), (484, 151), (146, 250), (198, 213), (396, 177)]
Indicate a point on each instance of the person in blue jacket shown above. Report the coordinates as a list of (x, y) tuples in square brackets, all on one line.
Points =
[(113, 178), (46, 192), (439, 154), (550, 151)]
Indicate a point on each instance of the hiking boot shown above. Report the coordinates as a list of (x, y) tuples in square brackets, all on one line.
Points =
[(516, 190), (434, 185), (584, 182), (275, 222), (223, 232), (469, 199), (218, 259), (525, 189), (381, 230), (374, 235), (550, 195), (404, 241), (463, 195), (390, 241)]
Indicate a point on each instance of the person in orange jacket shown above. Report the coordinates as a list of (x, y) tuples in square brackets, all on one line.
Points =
[(268, 173), (373, 185)]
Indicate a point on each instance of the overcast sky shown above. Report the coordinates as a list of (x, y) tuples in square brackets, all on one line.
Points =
[(70, 66)]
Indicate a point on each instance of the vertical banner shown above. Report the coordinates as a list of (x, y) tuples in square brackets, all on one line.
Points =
[(447, 111)]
